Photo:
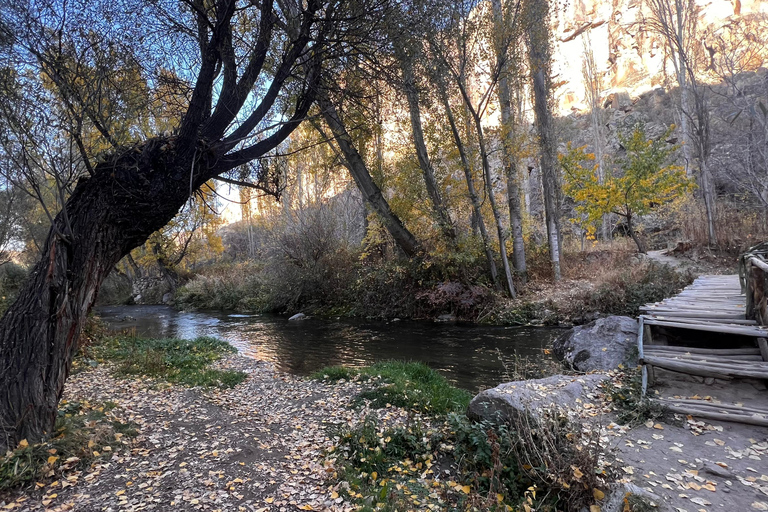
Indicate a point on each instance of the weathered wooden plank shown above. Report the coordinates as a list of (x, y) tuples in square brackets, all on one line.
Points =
[(701, 357), (714, 415), (707, 351), (717, 351), (707, 369), (701, 321), (762, 344), (716, 405), (746, 330)]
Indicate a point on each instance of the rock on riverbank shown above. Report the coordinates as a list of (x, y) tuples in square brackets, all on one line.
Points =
[(601, 345)]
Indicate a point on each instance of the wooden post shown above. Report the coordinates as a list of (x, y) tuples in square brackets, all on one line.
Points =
[(763, 344), (641, 355)]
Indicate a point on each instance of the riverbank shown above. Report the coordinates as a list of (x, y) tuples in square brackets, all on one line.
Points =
[(596, 283), (277, 442)]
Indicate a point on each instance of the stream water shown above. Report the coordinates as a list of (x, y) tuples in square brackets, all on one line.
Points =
[(470, 356)]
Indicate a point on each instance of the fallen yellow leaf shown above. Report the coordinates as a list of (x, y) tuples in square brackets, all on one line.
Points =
[(23, 443), (598, 494), (465, 489)]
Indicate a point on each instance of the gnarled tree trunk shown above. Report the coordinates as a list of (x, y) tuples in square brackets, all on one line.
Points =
[(107, 216)]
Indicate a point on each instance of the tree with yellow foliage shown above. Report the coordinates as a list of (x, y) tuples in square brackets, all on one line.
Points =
[(635, 183)]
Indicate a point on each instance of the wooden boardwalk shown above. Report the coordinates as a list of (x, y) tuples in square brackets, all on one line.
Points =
[(713, 304)]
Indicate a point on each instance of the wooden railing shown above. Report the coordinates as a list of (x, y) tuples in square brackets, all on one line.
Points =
[(753, 274)]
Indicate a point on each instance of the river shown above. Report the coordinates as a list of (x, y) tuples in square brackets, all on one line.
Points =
[(470, 356)]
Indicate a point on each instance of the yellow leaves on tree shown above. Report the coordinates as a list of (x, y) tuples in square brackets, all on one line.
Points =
[(634, 184)]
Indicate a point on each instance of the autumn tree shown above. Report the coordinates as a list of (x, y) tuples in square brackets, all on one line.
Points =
[(637, 182), (250, 72), (408, 51), (676, 22), (538, 39), (507, 36), (460, 48)]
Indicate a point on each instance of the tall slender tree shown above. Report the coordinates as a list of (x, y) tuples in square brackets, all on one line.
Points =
[(538, 38), (506, 35), (454, 48), (676, 22), (407, 50)]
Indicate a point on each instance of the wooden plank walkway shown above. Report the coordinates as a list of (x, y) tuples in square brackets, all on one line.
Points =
[(713, 303)]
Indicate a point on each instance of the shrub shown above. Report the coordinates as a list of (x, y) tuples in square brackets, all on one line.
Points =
[(624, 292), (551, 463), (81, 433), (379, 467)]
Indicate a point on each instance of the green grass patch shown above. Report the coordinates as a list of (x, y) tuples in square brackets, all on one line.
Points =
[(335, 374), (174, 360), (409, 385), (84, 432)]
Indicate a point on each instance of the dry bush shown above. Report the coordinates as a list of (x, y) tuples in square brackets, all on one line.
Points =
[(739, 225), (564, 460), (548, 463)]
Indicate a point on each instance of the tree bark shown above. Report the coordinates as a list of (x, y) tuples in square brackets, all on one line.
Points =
[(631, 228), (359, 171), (539, 57), (107, 216), (509, 159)]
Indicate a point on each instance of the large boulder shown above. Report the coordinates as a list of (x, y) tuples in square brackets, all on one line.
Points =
[(507, 401), (600, 345)]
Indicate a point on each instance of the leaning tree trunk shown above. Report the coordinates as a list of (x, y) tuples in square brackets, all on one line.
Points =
[(427, 171), (107, 216), (477, 214), (370, 190)]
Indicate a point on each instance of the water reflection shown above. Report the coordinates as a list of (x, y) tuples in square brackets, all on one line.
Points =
[(468, 355)]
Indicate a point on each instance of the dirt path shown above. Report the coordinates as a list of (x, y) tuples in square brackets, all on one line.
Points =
[(663, 257), (699, 466), (256, 447)]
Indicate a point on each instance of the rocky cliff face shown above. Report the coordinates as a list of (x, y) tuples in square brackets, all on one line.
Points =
[(629, 57)]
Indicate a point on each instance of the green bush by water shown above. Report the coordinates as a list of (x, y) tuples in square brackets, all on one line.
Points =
[(409, 385)]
